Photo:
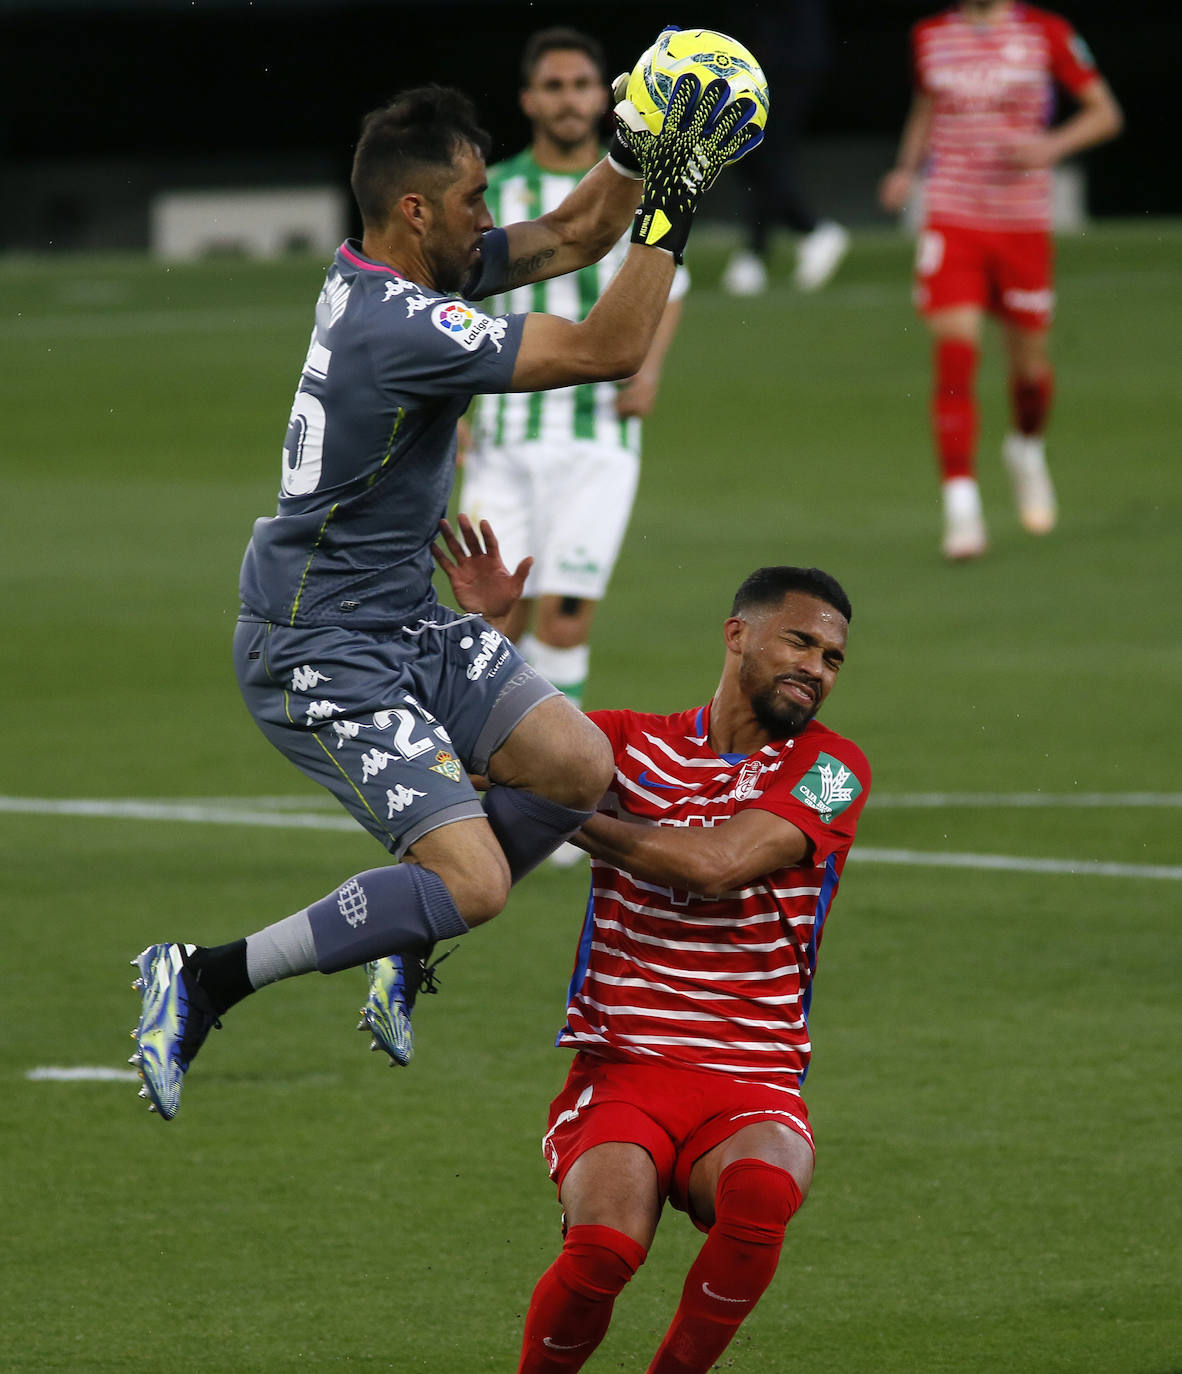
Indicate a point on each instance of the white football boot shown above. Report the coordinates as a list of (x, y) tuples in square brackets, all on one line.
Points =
[(964, 522), (1026, 460), (819, 255)]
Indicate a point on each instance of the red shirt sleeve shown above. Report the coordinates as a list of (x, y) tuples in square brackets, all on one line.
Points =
[(822, 792), (1072, 64)]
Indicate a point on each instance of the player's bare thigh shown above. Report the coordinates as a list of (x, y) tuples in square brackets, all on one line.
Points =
[(614, 1184), (768, 1141), (557, 752), (962, 322)]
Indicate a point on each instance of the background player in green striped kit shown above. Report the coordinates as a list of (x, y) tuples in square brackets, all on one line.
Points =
[(555, 472)]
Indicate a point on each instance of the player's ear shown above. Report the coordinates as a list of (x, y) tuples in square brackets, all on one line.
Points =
[(733, 630), (416, 212)]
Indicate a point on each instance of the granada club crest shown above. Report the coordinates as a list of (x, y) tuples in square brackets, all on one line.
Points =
[(748, 777)]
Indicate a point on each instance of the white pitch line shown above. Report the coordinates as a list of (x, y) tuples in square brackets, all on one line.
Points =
[(246, 813), (937, 801), (1080, 868), (81, 1073), (199, 813)]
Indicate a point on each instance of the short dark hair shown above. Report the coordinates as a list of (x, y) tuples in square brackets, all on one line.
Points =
[(560, 40), (409, 145), (769, 586)]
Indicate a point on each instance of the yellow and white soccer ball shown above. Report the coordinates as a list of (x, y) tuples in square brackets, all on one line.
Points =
[(708, 55)]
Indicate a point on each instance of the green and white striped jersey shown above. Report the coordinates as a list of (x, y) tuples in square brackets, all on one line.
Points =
[(518, 189)]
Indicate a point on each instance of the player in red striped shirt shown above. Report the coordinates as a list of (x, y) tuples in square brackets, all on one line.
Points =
[(716, 855), (985, 74)]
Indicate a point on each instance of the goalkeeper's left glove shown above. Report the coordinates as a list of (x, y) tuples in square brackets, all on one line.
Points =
[(702, 131)]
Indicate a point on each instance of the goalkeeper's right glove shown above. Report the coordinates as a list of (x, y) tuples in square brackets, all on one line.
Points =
[(702, 131)]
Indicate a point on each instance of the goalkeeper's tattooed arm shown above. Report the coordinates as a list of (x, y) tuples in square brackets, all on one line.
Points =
[(579, 231)]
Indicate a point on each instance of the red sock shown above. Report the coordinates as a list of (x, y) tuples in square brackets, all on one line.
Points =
[(572, 1304), (954, 407), (1030, 401), (754, 1203)]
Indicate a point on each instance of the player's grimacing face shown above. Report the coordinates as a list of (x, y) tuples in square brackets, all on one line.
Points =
[(461, 217), (566, 97), (789, 658)]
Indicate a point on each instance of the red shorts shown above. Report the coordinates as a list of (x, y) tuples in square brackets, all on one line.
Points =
[(675, 1114), (1009, 273)]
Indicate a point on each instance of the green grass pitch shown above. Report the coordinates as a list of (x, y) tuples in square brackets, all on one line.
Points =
[(995, 1087)]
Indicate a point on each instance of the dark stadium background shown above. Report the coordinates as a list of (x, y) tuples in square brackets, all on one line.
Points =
[(102, 105)]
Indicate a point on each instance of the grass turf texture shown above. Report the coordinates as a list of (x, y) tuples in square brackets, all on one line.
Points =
[(995, 1088)]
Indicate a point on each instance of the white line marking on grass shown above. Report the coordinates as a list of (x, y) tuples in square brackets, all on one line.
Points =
[(207, 320), (1012, 863), (200, 813), (1117, 801), (81, 1073), (247, 812)]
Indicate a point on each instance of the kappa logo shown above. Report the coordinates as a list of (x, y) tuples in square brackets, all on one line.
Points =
[(394, 289), (345, 730), (373, 761), (305, 678), (416, 303), (399, 798), (352, 902), (467, 327), (828, 787), (321, 710)]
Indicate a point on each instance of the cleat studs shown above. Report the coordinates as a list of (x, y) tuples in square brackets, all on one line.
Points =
[(143, 1092), (361, 1024), (374, 1046)]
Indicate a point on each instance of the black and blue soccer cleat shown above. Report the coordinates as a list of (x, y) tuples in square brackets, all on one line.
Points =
[(394, 984), (176, 1017)]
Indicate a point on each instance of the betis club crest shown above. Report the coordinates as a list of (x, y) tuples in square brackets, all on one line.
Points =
[(448, 765)]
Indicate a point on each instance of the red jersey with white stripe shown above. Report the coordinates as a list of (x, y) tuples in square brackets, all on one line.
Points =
[(718, 983), (992, 85)]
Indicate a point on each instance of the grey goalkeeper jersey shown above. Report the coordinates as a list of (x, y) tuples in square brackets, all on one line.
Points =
[(369, 457)]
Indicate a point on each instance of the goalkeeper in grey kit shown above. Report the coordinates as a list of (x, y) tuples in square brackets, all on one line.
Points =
[(346, 660)]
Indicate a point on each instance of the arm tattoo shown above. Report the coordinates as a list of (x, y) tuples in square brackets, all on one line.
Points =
[(526, 269)]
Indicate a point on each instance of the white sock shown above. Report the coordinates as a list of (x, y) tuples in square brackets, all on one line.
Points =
[(962, 499), (565, 668)]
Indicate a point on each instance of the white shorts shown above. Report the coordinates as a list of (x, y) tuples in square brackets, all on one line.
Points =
[(568, 506)]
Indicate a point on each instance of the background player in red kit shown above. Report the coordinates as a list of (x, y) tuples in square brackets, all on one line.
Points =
[(716, 855), (985, 74)]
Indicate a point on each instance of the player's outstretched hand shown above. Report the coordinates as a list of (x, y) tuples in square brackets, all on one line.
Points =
[(472, 564), (704, 129)]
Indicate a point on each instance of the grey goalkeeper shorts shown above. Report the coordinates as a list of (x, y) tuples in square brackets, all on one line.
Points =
[(390, 723)]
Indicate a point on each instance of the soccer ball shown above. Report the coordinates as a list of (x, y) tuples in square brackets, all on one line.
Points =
[(707, 54)]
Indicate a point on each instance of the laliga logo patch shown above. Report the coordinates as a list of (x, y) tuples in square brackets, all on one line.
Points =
[(466, 326)]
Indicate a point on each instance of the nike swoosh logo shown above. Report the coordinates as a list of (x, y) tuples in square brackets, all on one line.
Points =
[(646, 781), (710, 1293), (553, 1345)]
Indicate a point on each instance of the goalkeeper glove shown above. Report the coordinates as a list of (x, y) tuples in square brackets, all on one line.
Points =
[(703, 130)]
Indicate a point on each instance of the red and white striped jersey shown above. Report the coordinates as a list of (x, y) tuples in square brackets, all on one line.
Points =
[(992, 85), (713, 983)]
